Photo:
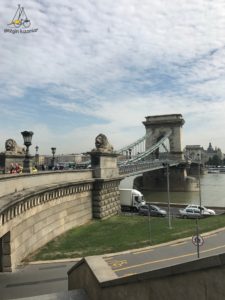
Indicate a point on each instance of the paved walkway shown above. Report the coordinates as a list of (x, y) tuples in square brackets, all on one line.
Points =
[(35, 279)]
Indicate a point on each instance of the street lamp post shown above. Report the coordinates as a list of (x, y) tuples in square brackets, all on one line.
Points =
[(200, 202), (168, 192), (37, 156), (199, 181), (36, 148), (149, 225), (53, 156), (129, 151), (27, 137)]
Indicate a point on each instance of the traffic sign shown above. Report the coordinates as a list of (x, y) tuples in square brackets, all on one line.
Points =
[(197, 240)]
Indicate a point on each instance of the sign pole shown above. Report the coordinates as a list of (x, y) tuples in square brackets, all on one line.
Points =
[(197, 235), (149, 225)]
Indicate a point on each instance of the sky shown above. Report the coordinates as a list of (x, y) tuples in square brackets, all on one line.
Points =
[(102, 66)]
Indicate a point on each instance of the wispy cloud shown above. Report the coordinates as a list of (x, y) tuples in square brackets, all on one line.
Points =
[(108, 64)]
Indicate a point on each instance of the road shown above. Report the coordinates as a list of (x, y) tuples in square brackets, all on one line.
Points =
[(160, 256), (36, 279)]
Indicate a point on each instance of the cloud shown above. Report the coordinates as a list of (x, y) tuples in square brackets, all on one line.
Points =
[(110, 64)]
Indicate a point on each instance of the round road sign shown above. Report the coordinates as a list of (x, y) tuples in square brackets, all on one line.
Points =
[(197, 240)]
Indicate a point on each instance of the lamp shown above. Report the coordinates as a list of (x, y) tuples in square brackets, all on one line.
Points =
[(36, 148), (37, 156), (27, 137), (53, 156)]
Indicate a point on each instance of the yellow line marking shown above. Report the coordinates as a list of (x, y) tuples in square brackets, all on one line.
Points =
[(154, 262), (208, 236), (142, 251), (178, 244), (117, 263), (211, 249), (168, 259)]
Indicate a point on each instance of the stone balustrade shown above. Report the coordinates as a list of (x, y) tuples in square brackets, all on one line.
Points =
[(11, 183), (21, 202)]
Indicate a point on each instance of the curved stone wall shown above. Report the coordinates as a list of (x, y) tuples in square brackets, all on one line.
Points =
[(35, 208), (35, 217), (11, 183)]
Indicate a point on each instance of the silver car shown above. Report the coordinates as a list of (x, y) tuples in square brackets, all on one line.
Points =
[(190, 213), (204, 211)]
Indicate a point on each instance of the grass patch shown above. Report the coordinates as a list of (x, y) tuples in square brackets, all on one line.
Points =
[(121, 233)]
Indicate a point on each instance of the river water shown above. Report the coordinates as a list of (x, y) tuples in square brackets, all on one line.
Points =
[(212, 193)]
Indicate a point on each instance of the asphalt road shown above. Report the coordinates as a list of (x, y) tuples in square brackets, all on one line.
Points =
[(172, 253)]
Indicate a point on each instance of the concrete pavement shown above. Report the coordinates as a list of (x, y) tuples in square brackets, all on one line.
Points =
[(35, 279)]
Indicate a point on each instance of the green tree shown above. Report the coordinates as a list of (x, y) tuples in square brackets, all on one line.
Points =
[(214, 161)]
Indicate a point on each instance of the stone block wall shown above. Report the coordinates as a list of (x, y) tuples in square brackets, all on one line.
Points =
[(34, 209), (178, 179), (37, 219), (106, 198), (12, 183)]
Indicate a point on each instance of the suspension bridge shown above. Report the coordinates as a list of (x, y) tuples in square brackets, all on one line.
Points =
[(160, 145)]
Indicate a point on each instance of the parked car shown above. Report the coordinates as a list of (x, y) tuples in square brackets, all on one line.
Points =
[(203, 209), (153, 210), (191, 213)]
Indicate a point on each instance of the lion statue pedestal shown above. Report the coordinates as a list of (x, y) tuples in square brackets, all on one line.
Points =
[(103, 159), (13, 154), (106, 197)]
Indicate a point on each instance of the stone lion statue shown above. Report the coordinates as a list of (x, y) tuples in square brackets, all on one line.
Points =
[(11, 146), (102, 144)]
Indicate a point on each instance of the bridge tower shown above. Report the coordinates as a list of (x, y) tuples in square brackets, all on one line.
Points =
[(159, 126), (169, 126)]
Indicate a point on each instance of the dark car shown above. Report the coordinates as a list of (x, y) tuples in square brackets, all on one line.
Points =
[(153, 210)]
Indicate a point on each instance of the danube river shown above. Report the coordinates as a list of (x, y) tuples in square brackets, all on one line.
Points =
[(212, 192)]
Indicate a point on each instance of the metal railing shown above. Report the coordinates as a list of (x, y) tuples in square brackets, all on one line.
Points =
[(145, 165)]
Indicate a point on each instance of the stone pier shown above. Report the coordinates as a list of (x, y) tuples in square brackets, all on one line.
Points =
[(178, 180), (106, 197)]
